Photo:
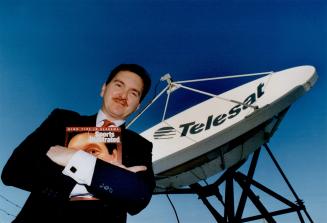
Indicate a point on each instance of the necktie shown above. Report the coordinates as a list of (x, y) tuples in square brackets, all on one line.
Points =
[(107, 123)]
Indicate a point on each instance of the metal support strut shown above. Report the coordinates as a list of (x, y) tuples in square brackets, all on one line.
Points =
[(233, 211)]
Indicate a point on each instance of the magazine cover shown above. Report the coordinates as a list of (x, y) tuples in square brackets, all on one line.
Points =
[(102, 142)]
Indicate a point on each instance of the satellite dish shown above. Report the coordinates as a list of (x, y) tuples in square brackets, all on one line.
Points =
[(225, 129)]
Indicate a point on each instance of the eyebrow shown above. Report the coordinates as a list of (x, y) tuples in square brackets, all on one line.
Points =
[(123, 83)]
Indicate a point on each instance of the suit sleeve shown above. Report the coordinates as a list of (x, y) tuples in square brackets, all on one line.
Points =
[(132, 190), (30, 169)]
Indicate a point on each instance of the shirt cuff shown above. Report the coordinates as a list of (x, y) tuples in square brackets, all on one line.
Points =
[(81, 167)]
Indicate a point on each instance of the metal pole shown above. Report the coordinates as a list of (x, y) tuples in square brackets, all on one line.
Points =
[(298, 200), (250, 175), (201, 193)]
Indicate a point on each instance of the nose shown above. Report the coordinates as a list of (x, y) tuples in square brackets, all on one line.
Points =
[(124, 94)]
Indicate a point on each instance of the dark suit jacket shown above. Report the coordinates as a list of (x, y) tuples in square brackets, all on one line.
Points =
[(119, 191)]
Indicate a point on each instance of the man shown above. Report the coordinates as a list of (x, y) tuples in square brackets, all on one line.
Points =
[(71, 185)]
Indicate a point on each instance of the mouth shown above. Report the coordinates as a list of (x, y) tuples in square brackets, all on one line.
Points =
[(121, 102)]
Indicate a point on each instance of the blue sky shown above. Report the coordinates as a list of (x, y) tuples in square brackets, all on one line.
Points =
[(57, 53)]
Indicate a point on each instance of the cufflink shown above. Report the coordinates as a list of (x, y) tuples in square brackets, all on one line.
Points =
[(73, 169)]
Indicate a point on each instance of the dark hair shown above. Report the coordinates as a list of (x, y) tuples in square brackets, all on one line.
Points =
[(137, 69)]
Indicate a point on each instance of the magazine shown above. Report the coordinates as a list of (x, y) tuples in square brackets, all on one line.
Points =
[(102, 142)]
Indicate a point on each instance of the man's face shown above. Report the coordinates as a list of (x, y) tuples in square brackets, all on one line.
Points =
[(121, 96)]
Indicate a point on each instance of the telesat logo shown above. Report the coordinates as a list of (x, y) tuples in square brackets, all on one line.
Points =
[(165, 133), (212, 121)]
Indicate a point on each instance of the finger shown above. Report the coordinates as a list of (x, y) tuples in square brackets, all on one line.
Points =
[(51, 152), (60, 155), (136, 169)]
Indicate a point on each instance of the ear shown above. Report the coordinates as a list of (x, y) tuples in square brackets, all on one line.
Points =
[(103, 89)]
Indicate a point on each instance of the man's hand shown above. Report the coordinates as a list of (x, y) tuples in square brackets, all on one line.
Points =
[(132, 168), (60, 155)]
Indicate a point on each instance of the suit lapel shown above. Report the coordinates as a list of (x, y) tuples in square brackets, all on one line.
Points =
[(87, 121)]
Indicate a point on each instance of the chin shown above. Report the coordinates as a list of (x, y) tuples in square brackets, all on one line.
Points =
[(118, 115)]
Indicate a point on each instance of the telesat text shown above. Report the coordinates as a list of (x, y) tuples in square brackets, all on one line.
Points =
[(216, 120)]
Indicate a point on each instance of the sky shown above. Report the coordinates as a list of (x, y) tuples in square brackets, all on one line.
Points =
[(56, 53)]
